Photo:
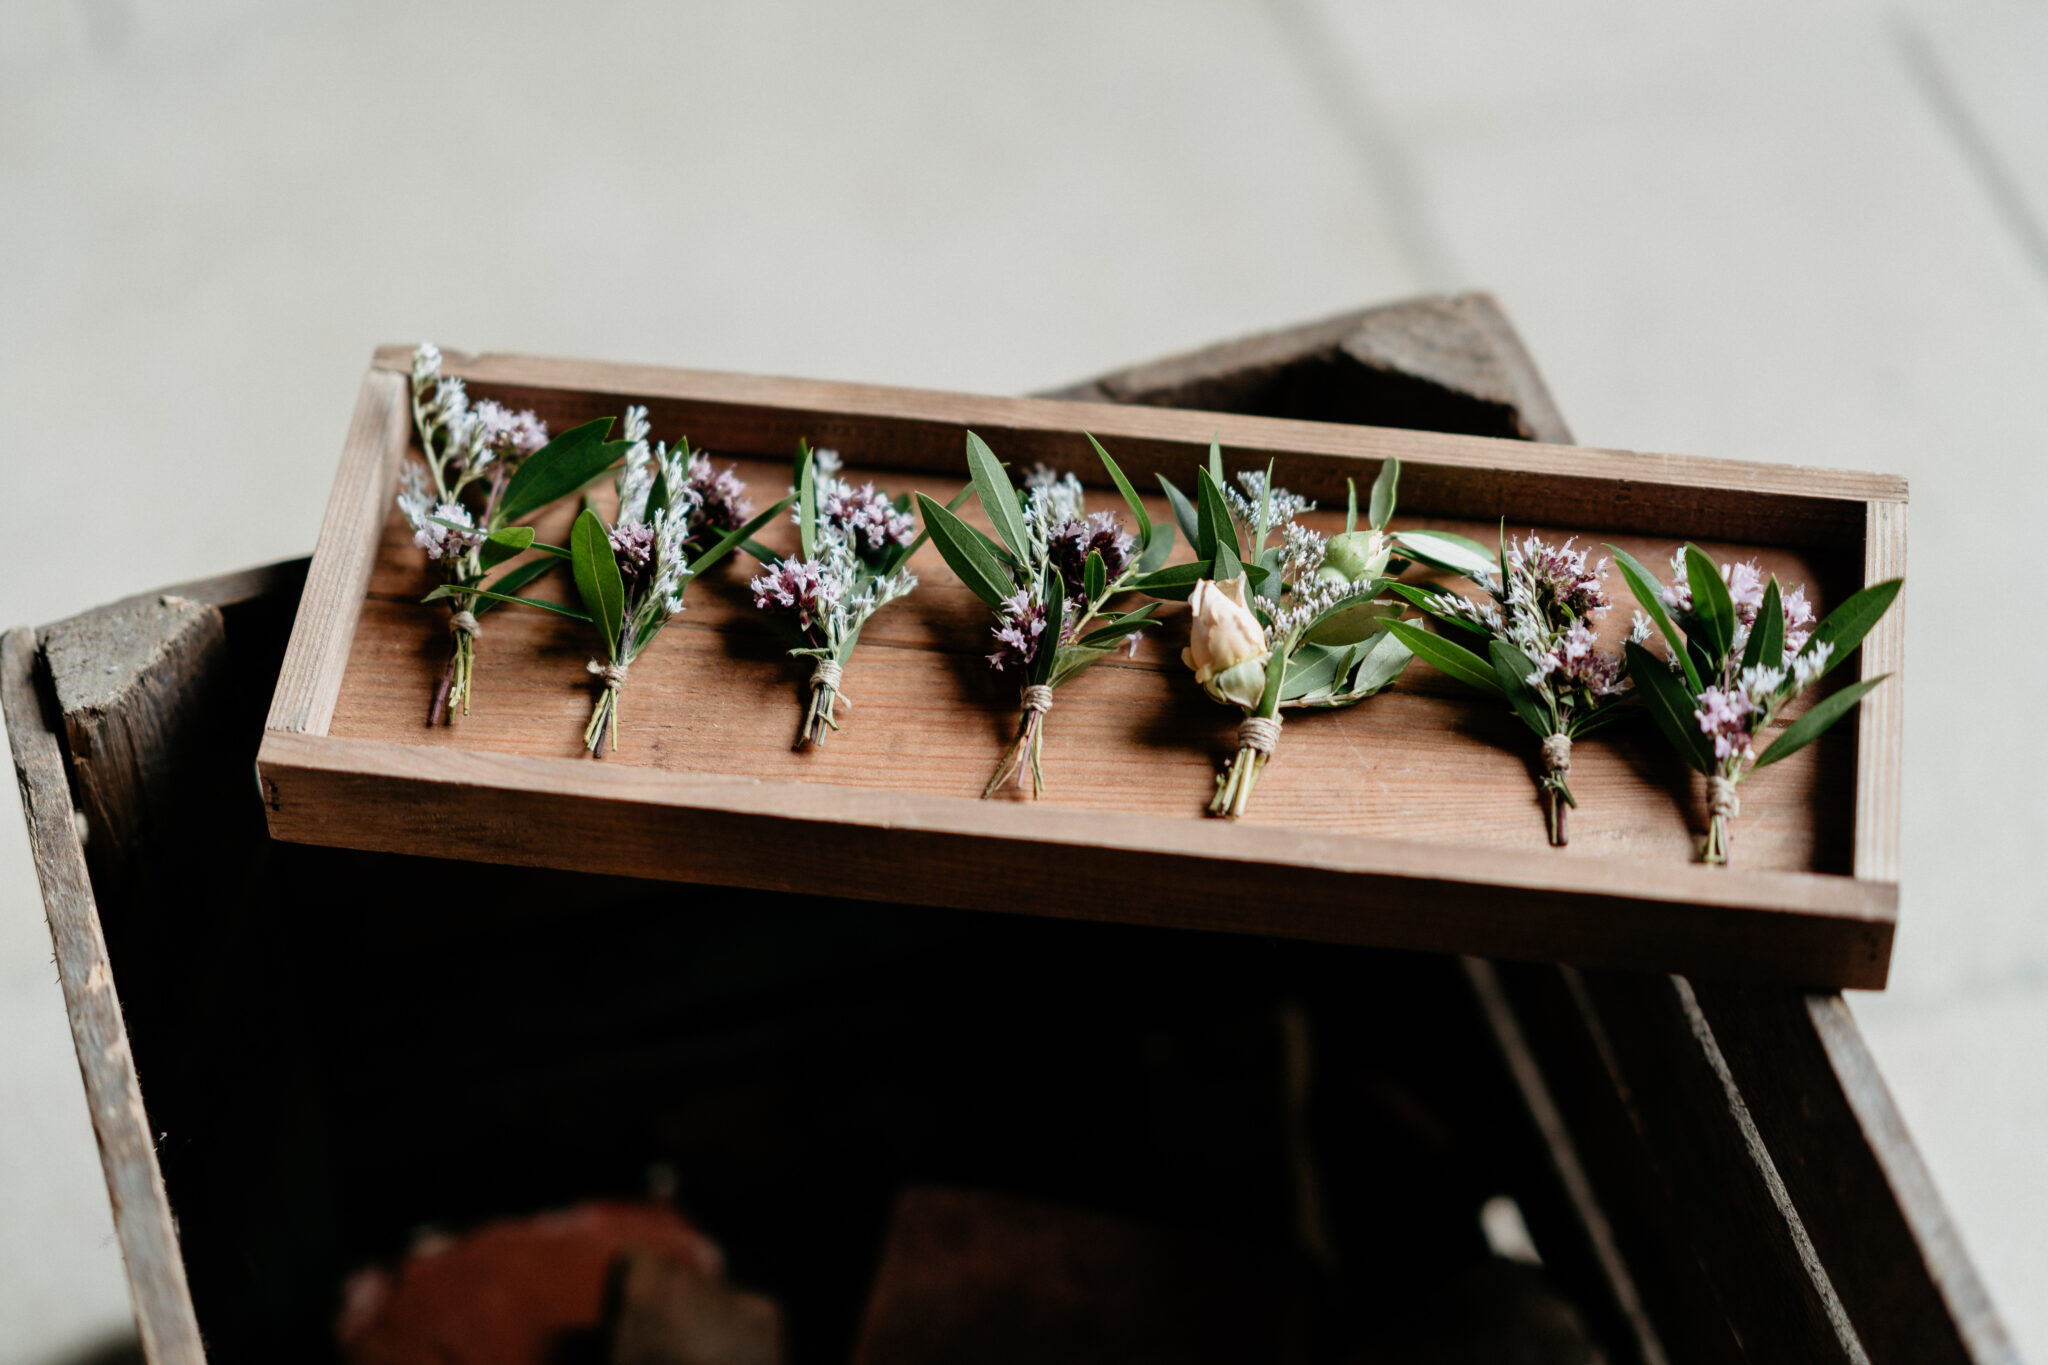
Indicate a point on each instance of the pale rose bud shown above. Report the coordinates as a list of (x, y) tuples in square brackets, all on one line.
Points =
[(1353, 555), (1226, 644)]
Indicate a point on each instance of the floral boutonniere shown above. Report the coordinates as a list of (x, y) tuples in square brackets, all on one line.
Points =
[(1741, 651), (1531, 642), (1296, 623), (632, 573), (853, 546), (486, 469), (1049, 577)]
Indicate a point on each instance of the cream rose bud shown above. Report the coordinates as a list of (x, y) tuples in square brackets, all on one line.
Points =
[(1226, 645), (1353, 555)]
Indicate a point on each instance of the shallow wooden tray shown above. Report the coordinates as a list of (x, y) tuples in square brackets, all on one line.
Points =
[(1410, 821)]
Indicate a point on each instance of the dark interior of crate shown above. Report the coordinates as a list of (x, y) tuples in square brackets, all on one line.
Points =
[(342, 1050)]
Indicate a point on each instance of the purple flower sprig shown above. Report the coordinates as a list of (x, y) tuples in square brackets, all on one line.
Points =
[(1049, 575), (1740, 650), (1532, 641), (854, 548)]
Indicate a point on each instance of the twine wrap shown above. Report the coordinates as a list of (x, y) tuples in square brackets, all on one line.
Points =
[(1557, 754), (1037, 697), (464, 623), (614, 675), (1260, 734), (1722, 801), (826, 676)]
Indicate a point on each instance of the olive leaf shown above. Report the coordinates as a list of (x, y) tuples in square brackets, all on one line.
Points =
[(1383, 489), (1131, 498), (1451, 659), (1811, 726), (596, 567), (1646, 589), (966, 552), (1711, 605), (1183, 512), (1451, 553), (1670, 706), (1767, 637), (557, 469), (1846, 625), (998, 497), (1511, 671)]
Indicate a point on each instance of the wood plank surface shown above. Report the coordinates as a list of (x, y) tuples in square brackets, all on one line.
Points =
[(164, 1318)]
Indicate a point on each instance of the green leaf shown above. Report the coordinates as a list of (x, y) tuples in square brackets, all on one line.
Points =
[(806, 500), (1262, 521), (1216, 461), (1054, 593), (998, 498), (904, 552), (1455, 660), (1212, 517), (597, 575), (1425, 598), (1451, 553), (1183, 512), (1131, 498), (556, 607), (1173, 583), (967, 554), (1384, 658), (734, 539), (519, 576), (1276, 679), (1350, 505), (502, 544), (1816, 721), (1711, 605), (1383, 488), (1317, 669), (1094, 576), (1511, 670), (1644, 585), (1350, 619), (1847, 624), (1225, 567), (1670, 706), (1123, 625), (1601, 716), (557, 469), (1767, 636), (1157, 548)]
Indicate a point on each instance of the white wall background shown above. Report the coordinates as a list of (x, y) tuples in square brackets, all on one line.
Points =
[(1814, 237)]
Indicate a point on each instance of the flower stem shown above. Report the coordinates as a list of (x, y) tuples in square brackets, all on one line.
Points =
[(1716, 850), (1022, 756), (1234, 785), (603, 730), (817, 717)]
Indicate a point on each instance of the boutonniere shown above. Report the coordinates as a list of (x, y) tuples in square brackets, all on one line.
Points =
[(853, 545), (631, 574), (1740, 652), (1297, 623), (486, 469), (1049, 576), (1531, 642)]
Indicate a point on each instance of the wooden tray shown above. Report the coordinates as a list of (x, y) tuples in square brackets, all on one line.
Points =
[(1410, 821)]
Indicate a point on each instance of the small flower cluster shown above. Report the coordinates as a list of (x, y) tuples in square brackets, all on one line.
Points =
[(865, 515), (1746, 584), (1306, 590), (1731, 714), (798, 587), (1282, 507), (461, 442), (1069, 543), (1019, 631), (445, 530)]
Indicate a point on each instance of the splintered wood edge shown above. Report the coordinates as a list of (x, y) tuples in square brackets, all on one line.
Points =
[(135, 1185), (1244, 436), (309, 681), (1795, 927), (1880, 720)]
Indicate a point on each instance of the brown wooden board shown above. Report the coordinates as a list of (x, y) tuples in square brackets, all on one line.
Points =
[(1410, 821)]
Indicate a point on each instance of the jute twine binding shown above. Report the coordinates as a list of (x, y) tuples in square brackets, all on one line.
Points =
[(614, 675), (826, 675), (1037, 697), (464, 623), (1557, 754), (1260, 734), (1721, 799)]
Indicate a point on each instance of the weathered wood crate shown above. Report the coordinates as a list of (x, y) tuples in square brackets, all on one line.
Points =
[(342, 1047)]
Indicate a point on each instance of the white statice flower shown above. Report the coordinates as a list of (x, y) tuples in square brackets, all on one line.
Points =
[(415, 497), (1763, 680), (635, 427), (1302, 553), (426, 366), (1809, 665), (448, 532), (1243, 506), (825, 460), (1050, 498), (1639, 628), (1484, 613)]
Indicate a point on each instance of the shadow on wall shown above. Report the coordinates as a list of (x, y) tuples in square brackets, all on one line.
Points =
[(121, 1349)]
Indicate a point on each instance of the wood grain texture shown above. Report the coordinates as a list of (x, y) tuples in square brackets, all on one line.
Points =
[(1881, 716), (309, 682), (1426, 763), (149, 1244)]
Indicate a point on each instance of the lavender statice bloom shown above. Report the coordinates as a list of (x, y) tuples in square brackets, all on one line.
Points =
[(1051, 498), (1282, 508), (508, 435), (720, 493), (633, 545), (443, 541), (1019, 631), (415, 498), (867, 516), (1560, 575), (1069, 544), (797, 586), (1724, 716), (1747, 584)]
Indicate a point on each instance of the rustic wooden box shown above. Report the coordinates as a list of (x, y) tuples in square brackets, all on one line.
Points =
[(1410, 821)]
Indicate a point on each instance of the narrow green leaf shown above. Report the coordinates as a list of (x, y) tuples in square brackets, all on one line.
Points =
[(503, 544), (1350, 620), (1263, 520), (1511, 670), (734, 539), (1213, 519), (1350, 505), (1847, 624), (1226, 566), (556, 470), (1384, 659), (1157, 548), (1811, 726), (1601, 716), (807, 500), (1426, 598), (1767, 637), (1442, 655), (998, 497), (1054, 593), (513, 579), (1451, 553), (556, 607), (967, 554), (1383, 490), (1216, 461), (597, 575), (1317, 669), (1123, 486), (1123, 625), (1183, 512), (1670, 706), (1094, 576), (1174, 583), (1644, 585), (1711, 605), (903, 553)]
